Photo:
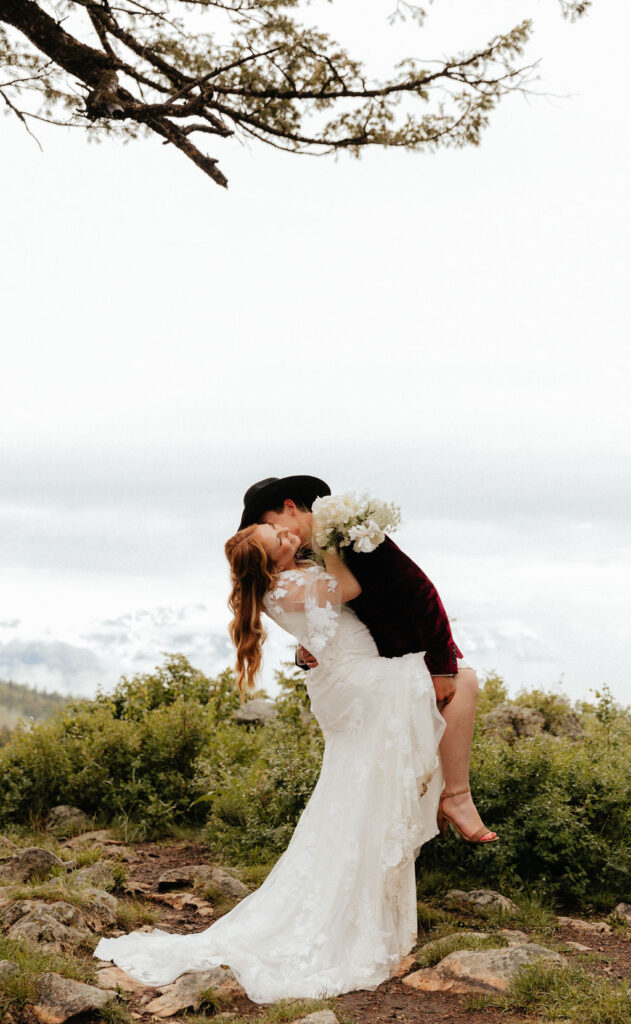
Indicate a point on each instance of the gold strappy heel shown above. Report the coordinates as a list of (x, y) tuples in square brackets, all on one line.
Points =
[(444, 821)]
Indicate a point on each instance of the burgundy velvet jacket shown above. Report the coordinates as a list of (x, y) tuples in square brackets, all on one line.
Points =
[(401, 607)]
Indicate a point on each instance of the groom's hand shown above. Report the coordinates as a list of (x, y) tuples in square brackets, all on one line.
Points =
[(304, 659), (445, 688)]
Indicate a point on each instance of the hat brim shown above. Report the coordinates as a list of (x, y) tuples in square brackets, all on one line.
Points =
[(299, 488)]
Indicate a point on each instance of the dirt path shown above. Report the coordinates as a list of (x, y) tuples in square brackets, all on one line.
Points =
[(392, 1001)]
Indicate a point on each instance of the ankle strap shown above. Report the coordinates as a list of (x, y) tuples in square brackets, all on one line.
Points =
[(457, 792)]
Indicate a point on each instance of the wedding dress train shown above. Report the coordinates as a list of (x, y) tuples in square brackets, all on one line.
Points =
[(338, 910)]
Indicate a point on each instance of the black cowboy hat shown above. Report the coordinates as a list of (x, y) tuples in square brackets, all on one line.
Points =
[(266, 494)]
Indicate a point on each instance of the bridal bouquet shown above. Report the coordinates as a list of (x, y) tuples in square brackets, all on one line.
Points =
[(343, 519)]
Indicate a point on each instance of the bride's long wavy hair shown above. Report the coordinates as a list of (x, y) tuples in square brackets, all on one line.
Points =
[(253, 573)]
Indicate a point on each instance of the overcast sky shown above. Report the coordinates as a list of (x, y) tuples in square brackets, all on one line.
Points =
[(449, 331)]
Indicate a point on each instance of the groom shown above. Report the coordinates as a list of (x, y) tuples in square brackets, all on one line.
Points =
[(398, 603), (404, 613)]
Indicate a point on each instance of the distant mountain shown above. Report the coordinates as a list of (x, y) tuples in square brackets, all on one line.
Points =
[(17, 700)]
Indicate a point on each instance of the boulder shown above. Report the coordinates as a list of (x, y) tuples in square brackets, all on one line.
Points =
[(60, 998), (55, 927), (481, 899), (66, 821), (623, 910), (34, 862), (480, 970), (186, 991), (599, 927), (8, 969), (510, 721), (257, 711)]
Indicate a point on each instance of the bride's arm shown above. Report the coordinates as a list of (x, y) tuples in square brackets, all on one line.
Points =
[(348, 585)]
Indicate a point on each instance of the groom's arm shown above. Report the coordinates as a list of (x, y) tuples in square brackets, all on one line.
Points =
[(423, 613)]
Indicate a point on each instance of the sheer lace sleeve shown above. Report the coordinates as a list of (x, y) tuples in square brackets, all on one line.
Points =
[(304, 602)]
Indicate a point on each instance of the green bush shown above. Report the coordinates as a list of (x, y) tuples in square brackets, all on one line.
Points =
[(164, 751), (257, 784), (562, 810), (129, 757)]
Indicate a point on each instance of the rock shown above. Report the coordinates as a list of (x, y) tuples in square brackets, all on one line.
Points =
[(186, 991), (514, 937), (66, 821), (484, 899), (136, 887), (103, 840), (34, 862), (623, 910), (479, 970), (578, 946), (438, 948), (95, 874), (406, 964), (178, 878), (60, 998), (99, 909), (111, 977), (179, 900), (319, 1017), (569, 727), (55, 927), (257, 711), (7, 847), (8, 969), (509, 721), (600, 927), (227, 884)]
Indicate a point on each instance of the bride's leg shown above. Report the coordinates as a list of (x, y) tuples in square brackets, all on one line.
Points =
[(455, 749)]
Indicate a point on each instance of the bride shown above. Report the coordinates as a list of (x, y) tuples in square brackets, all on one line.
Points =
[(338, 910)]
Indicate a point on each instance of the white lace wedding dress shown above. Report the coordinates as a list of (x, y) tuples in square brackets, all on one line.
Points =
[(338, 910)]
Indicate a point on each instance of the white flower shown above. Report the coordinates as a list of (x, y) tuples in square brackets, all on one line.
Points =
[(343, 519), (367, 536)]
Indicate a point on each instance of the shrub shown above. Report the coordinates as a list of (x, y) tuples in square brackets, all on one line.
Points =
[(563, 813)]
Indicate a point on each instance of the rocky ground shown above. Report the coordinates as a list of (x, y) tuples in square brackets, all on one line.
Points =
[(55, 905)]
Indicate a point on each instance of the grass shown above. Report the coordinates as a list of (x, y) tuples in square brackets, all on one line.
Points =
[(58, 888), (67, 886), (18, 991), (131, 913), (213, 1000), (433, 952), (283, 1012), (115, 1013), (252, 874), (561, 994), (222, 903)]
